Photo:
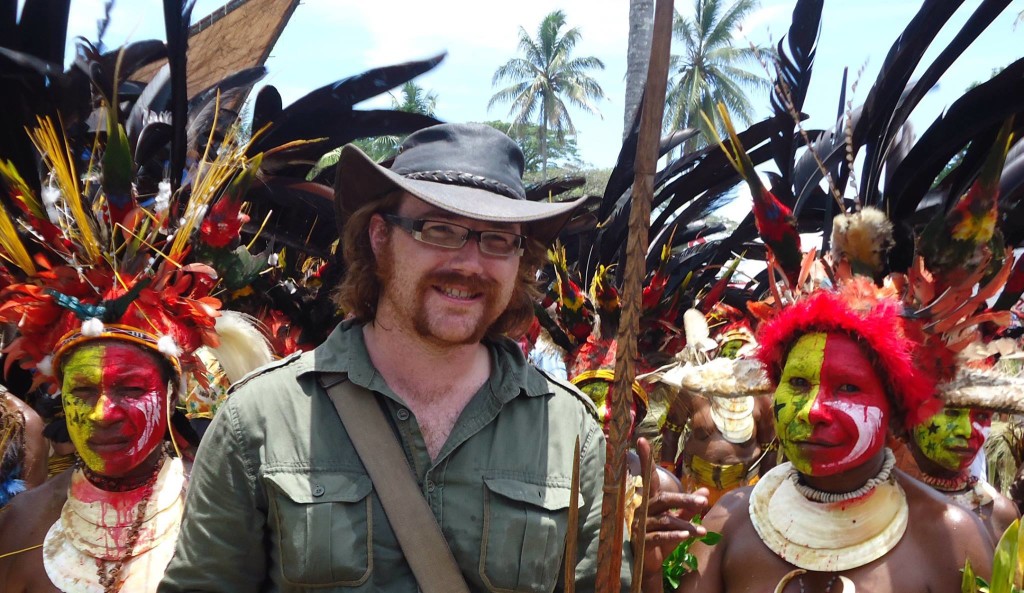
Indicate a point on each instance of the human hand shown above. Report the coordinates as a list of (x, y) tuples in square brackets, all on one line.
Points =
[(669, 516)]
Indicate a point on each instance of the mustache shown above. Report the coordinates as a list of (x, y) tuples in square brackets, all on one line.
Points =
[(472, 282)]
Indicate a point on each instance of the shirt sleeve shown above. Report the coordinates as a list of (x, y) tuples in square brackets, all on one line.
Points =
[(592, 461), (221, 543)]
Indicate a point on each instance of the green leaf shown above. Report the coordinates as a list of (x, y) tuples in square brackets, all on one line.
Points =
[(681, 561), (968, 584), (1004, 565)]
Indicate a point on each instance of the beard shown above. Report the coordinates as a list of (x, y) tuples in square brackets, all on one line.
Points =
[(408, 298)]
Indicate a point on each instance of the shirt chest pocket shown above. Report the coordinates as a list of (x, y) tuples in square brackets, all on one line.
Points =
[(324, 524), (523, 537)]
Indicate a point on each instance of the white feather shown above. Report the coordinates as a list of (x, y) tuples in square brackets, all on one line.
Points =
[(243, 348)]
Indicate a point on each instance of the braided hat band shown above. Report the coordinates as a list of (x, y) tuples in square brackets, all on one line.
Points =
[(466, 180)]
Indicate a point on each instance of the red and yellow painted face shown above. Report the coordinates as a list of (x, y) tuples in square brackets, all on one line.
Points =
[(953, 437), (114, 397), (598, 391), (831, 409)]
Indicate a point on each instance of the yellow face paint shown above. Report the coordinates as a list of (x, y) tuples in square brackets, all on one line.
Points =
[(797, 390), (83, 371), (953, 437)]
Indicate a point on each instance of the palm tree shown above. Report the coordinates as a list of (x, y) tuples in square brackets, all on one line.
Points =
[(709, 72), (546, 78), (415, 99)]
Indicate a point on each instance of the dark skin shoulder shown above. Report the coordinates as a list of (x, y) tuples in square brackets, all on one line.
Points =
[(36, 448), (945, 533), (23, 526), (1003, 513)]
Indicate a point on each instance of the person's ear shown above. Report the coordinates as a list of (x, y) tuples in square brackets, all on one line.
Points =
[(378, 231)]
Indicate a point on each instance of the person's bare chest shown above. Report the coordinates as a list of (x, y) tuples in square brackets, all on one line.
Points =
[(751, 567), (707, 441)]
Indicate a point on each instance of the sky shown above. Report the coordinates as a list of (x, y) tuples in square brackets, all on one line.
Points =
[(327, 40)]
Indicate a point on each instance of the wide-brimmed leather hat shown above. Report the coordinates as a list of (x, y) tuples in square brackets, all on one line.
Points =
[(471, 170)]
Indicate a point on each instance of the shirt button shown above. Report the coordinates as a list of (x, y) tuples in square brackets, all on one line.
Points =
[(430, 486), (403, 414), (318, 490)]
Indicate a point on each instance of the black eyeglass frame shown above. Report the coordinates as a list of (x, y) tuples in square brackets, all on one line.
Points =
[(414, 226)]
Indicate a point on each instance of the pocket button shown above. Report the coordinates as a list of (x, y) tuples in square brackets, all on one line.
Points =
[(318, 490)]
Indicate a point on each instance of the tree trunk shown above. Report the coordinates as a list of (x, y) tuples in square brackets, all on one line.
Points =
[(641, 27), (544, 139)]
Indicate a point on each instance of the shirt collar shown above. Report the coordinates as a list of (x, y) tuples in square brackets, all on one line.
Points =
[(344, 351)]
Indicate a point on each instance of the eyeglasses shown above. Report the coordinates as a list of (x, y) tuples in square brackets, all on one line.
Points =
[(454, 236)]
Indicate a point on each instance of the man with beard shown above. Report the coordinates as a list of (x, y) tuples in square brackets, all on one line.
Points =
[(838, 516), (441, 254)]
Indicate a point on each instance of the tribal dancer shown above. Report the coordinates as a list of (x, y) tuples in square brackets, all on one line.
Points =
[(839, 511), (848, 360), (722, 406), (942, 449), (111, 306)]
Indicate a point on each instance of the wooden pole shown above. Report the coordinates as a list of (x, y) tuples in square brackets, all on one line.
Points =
[(609, 553)]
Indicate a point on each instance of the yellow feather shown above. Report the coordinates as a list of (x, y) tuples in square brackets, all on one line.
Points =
[(12, 246), (53, 148), (20, 189)]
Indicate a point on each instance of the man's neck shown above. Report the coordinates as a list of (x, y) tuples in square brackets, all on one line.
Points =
[(418, 369), (849, 480)]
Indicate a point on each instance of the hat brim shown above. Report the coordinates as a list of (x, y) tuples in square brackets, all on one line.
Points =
[(360, 181), (988, 390)]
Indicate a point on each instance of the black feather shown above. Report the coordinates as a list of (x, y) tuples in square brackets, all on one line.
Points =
[(795, 59), (873, 129), (976, 113), (177, 18), (267, 107), (331, 106)]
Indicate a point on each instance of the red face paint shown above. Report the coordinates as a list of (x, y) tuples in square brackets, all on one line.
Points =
[(830, 407), (115, 400)]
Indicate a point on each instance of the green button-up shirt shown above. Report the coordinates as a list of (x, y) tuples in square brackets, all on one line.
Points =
[(280, 501)]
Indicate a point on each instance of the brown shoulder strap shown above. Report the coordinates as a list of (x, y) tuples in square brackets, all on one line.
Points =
[(413, 522)]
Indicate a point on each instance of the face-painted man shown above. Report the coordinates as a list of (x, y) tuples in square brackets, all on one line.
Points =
[(942, 451), (115, 399), (830, 407), (952, 438), (839, 513)]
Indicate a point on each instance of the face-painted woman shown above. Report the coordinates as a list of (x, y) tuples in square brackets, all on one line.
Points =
[(831, 407), (952, 438), (115, 402)]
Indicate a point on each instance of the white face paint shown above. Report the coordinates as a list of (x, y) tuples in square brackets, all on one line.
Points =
[(867, 419)]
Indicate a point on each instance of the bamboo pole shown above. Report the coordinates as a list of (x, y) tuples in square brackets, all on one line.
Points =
[(609, 553)]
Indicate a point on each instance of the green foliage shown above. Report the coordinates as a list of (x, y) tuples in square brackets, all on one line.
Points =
[(546, 80), (562, 152), (1006, 566), (682, 561), (709, 70)]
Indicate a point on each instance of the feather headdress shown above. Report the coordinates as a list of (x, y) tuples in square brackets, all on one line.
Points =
[(88, 265)]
